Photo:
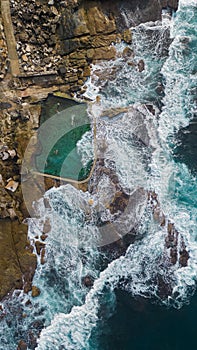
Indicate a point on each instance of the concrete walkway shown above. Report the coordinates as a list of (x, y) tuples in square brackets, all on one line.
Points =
[(10, 39)]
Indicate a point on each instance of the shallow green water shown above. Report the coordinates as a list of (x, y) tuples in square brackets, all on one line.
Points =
[(63, 123)]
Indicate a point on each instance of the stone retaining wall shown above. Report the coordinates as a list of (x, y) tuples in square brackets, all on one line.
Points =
[(3, 53)]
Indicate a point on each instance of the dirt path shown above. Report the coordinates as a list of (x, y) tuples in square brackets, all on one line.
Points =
[(10, 39)]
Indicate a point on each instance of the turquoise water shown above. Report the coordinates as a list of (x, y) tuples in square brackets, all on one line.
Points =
[(63, 123), (185, 150), (126, 307)]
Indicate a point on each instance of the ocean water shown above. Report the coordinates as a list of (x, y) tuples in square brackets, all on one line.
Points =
[(138, 300)]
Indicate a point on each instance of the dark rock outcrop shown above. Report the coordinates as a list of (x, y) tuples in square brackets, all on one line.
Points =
[(22, 345), (173, 4)]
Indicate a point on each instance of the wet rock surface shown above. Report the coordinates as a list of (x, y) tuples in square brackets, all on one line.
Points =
[(22, 345), (117, 217), (35, 291), (174, 241)]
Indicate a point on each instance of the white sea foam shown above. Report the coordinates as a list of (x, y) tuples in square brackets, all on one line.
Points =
[(187, 3), (85, 148), (145, 260), (119, 83)]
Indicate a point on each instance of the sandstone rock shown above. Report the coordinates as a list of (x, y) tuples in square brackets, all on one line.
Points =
[(65, 88), (12, 185), (43, 237), (12, 153), (28, 263), (39, 246), (42, 257), (131, 63), (79, 23), (80, 82), (103, 40), (88, 281), (3, 213), (104, 53), (22, 345), (35, 291), (47, 226), (70, 45), (28, 48), (141, 65), (77, 55), (127, 36), (74, 88), (98, 22), (85, 41), (183, 259), (10, 273), (24, 58), (72, 79), (87, 71), (127, 52), (12, 213), (90, 53)]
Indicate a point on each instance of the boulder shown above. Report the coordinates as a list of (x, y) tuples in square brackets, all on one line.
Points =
[(22, 345), (35, 291), (88, 281), (39, 246), (12, 185), (127, 36)]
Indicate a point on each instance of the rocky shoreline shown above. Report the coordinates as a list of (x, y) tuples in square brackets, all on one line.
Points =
[(56, 44)]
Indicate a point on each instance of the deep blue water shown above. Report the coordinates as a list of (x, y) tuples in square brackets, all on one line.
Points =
[(139, 325)]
